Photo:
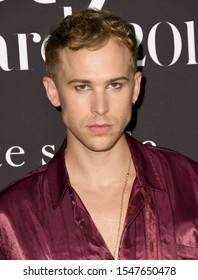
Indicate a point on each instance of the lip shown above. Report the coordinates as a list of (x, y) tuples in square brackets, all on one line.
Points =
[(100, 128)]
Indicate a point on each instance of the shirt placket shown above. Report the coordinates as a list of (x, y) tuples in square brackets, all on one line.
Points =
[(85, 222), (150, 226)]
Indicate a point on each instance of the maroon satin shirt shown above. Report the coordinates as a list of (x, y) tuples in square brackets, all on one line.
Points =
[(42, 217)]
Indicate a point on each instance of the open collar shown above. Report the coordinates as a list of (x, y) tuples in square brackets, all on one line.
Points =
[(147, 166)]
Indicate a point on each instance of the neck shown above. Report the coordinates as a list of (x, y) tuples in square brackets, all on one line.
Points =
[(97, 169)]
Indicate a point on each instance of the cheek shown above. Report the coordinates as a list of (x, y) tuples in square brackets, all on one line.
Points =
[(125, 113), (72, 112), (123, 117), (123, 107)]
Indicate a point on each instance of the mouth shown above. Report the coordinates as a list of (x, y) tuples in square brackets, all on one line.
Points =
[(100, 128)]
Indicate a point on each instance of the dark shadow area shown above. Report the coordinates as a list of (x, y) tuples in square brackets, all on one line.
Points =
[(58, 108), (132, 124)]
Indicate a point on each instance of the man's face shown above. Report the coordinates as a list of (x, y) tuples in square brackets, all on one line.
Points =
[(95, 89)]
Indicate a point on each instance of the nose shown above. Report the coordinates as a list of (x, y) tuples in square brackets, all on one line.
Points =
[(100, 103)]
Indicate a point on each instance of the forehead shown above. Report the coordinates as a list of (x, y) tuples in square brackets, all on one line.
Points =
[(110, 59)]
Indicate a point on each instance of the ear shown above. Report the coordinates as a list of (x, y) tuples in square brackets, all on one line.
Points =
[(136, 88), (51, 91)]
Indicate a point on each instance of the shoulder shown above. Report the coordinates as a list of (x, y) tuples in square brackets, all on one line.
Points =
[(167, 158), (26, 188), (178, 169), (38, 187), (173, 160), (177, 172), (172, 169), (170, 155)]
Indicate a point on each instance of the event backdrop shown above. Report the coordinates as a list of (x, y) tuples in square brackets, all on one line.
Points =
[(167, 112)]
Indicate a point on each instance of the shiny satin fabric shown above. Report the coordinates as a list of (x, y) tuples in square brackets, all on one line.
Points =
[(42, 217)]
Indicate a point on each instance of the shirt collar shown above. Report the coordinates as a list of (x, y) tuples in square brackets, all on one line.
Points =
[(147, 168), (58, 177), (147, 165)]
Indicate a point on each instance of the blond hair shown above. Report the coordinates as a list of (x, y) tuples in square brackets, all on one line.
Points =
[(90, 29)]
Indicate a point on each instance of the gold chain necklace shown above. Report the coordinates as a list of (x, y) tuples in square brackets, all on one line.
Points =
[(121, 206)]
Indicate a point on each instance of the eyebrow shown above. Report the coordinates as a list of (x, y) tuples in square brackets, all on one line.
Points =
[(84, 81)]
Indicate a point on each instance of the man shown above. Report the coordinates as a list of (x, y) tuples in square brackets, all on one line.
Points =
[(104, 195)]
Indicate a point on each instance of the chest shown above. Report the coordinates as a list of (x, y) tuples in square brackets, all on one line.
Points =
[(108, 213), (70, 232)]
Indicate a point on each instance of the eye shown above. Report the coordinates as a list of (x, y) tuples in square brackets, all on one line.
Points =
[(82, 88), (114, 86)]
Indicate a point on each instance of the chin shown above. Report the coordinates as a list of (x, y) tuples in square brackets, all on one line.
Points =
[(101, 144)]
